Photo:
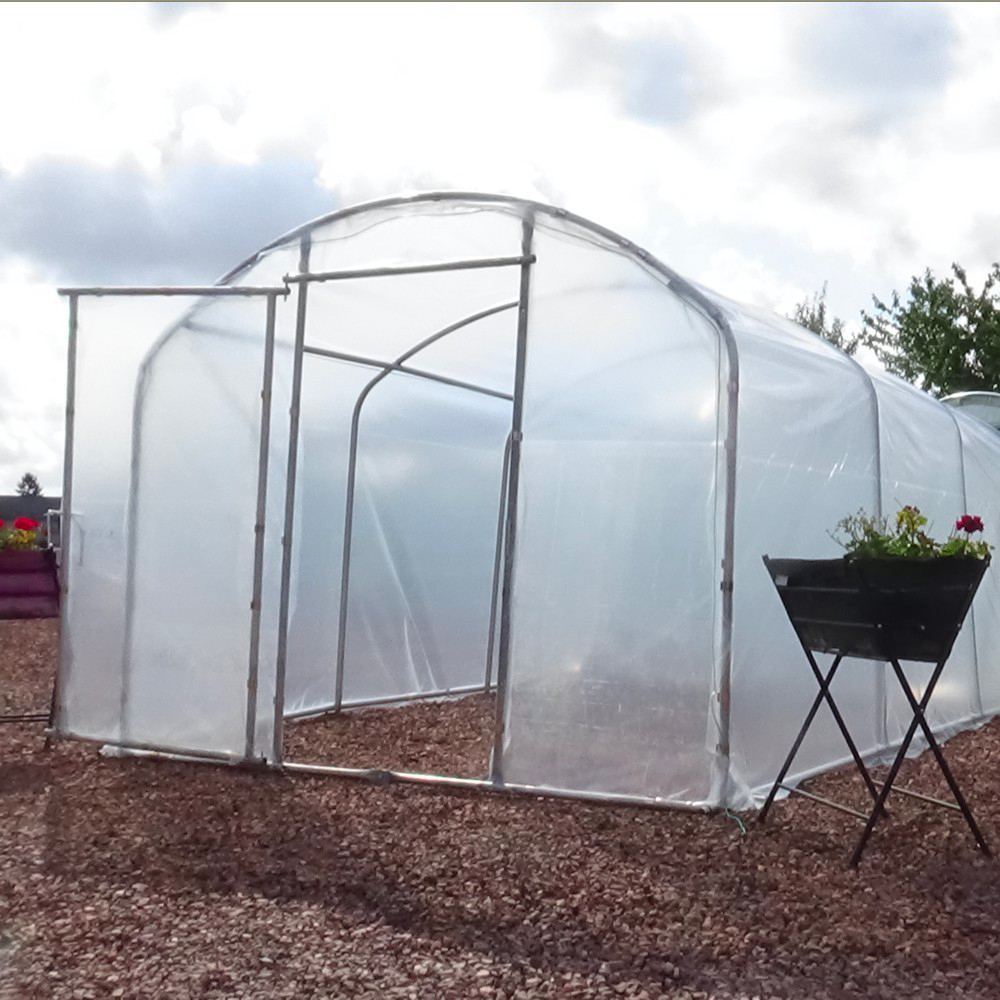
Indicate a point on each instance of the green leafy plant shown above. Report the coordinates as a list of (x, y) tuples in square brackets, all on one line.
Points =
[(865, 536)]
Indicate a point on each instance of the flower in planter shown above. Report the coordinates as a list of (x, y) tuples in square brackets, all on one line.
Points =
[(21, 536), (969, 523), (865, 536)]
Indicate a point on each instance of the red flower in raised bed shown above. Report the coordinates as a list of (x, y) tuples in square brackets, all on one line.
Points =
[(25, 524)]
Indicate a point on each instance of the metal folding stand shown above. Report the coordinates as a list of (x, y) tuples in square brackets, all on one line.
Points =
[(847, 611)]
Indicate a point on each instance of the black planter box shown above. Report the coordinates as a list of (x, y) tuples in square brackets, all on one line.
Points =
[(29, 585), (881, 609)]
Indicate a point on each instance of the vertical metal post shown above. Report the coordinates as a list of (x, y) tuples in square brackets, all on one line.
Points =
[(66, 516), (497, 564), (286, 538), (258, 552), (723, 748), (513, 482)]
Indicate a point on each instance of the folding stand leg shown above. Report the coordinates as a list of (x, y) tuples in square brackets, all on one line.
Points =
[(939, 756), (918, 721), (824, 694), (841, 725)]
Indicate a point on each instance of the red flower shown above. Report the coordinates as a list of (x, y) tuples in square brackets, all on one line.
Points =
[(1, 522), (969, 523), (25, 524)]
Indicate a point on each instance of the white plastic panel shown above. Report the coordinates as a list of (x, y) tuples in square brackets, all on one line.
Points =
[(114, 336), (617, 575), (192, 521)]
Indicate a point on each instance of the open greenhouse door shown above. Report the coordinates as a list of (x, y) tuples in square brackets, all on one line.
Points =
[(400, 461), (163, 552)]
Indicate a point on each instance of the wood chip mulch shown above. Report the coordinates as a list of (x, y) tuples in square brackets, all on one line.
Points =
[(147, 879)]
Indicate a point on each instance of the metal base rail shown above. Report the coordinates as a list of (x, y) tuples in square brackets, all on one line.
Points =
[(331, 708), (381, 776), (152, 748), (387, 776)]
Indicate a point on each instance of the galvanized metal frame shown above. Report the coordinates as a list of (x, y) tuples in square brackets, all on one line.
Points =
[(390, 271), (513, 482), (389, 367), (259, 525), (192, 291), (281, 660), (442, 694), (352, 469), (381, 776), (66, 517), (497, 566)]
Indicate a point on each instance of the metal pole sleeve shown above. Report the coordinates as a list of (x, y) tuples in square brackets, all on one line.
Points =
[(258, 552), (66, 520), (497, 565), (513, 482), (281, 661), (352, 468)]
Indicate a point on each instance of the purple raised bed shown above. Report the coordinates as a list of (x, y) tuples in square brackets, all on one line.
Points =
[(29, 585)]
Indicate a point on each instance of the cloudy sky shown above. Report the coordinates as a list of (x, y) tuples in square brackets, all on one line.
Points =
[(761, 150)]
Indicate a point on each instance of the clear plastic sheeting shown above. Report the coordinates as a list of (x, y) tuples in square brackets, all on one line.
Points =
[(670, 438), (617, 562), (114, 338)]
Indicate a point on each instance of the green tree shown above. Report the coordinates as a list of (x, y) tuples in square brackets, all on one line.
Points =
[(945, 336), (29, 486), (812, 314)]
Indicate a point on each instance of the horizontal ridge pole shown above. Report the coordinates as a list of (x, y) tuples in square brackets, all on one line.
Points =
[(193, 290), (389, 271)]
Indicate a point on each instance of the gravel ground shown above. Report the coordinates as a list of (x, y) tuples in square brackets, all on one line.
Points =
[(143, 879)]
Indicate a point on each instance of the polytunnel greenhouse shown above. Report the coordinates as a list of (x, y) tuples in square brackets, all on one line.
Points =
[(459, 443)]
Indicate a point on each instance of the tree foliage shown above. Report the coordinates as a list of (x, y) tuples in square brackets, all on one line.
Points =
[(29, 486), (945, 336), (812, 314)]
